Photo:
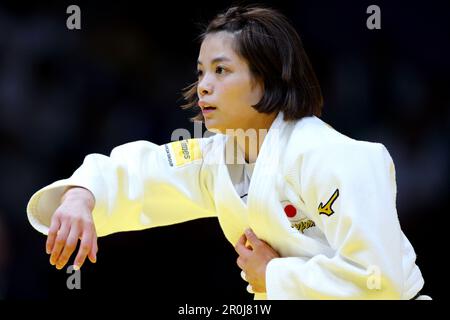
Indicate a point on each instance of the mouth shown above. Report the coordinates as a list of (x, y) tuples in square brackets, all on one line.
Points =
[(208, 109)]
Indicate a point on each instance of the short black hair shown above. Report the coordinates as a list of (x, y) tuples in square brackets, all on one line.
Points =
[(274, 52)]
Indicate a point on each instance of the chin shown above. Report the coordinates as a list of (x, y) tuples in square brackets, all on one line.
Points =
[(215, 130), (212, 126)]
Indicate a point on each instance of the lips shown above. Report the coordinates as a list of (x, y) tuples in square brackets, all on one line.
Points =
[(206, 107), (204, 103), (208, 110)]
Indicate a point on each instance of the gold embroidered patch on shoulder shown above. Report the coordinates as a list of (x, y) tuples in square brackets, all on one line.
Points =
[(183, 152), (326, 209)]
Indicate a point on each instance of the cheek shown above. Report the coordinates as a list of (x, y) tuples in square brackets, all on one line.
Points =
[(256, 94), (253, 91), (241, 94), (232, 94)]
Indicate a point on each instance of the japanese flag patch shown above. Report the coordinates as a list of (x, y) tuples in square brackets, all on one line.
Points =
[(296, 218)]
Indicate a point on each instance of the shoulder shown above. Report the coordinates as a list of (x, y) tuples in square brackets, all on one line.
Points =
[(316, 147)]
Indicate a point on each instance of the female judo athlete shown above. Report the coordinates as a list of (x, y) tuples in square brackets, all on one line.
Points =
[(310, 212)]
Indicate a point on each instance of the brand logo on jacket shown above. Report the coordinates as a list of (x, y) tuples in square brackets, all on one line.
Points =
[(327, 209), (303, 225), (183, 152)]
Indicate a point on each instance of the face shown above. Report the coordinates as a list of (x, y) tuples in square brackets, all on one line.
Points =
[(225, 83)]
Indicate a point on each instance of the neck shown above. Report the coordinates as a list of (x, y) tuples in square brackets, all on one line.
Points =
[(250, 142)]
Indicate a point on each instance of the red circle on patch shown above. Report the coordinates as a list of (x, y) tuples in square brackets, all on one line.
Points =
[(290, 210)]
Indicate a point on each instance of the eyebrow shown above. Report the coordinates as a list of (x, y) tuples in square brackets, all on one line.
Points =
[(215, 60)]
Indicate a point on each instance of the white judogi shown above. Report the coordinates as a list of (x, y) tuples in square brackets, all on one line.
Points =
[(323, 201)]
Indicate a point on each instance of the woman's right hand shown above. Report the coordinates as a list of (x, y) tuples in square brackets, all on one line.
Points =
[(71, 221)]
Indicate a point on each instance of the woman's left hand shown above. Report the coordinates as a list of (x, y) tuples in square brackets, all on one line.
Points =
[(253, 259)]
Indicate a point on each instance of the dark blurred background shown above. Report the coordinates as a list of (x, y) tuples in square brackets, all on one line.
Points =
[(67, 93)]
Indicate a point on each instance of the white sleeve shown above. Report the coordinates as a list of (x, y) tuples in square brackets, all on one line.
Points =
[(140, 185), (351, 191)]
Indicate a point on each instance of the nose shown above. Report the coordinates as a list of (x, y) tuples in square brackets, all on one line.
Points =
[(204, 87)]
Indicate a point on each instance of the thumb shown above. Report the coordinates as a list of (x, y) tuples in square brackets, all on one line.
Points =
[(251, 237)]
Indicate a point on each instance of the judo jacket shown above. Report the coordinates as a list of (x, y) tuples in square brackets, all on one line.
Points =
[(325, 202)]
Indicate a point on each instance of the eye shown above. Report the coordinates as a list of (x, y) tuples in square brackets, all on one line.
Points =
[(199, 73), (220, 70)]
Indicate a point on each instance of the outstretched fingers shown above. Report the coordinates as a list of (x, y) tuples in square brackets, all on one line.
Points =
[(86, 246), (60, 241), (69, 247), (93, 253), (52, 232)]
